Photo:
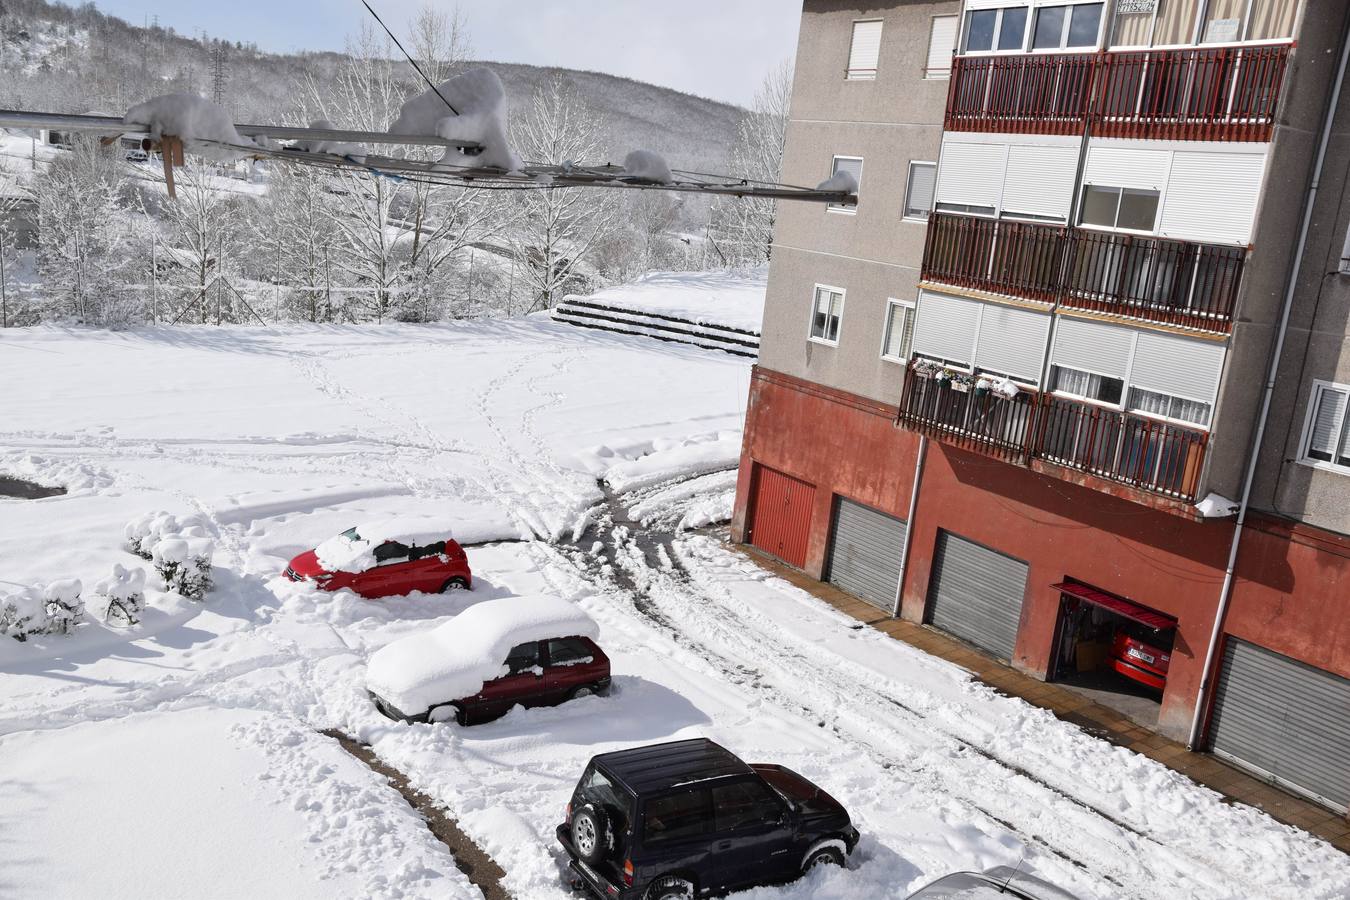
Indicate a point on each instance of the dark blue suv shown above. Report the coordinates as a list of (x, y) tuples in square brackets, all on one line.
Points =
[(688, 819)]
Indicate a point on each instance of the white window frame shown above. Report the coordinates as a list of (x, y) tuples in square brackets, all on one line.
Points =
[(1170, 420), (1070, 395), (1200, 10), (1126, 385), (909, 183), (911, 309), (1344, 267), (848, 72), (1087, 226), (811, 320), (1036, 8), (850, 209), (931, 74), (1319, 387), (998, 28)]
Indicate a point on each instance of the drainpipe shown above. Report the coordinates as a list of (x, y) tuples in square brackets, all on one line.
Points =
[(909, 523), (1226, 592)]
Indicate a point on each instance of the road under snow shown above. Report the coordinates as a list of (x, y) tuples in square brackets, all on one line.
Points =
[(203, 719)]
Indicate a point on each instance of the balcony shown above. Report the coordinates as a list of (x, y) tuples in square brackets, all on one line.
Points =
[(967, 415), (1197, 94), (1145, 453), (1153, 279)]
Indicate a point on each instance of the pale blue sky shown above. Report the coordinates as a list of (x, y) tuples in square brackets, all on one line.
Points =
[(716, 48)]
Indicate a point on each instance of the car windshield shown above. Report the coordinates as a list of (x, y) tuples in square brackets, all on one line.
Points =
[(350, 534)]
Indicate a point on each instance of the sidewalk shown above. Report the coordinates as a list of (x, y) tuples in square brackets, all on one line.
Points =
[(1237, 786)]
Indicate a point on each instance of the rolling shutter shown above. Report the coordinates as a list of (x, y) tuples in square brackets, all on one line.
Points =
[(1092, 347), (1327, 422), (976, 594), (1012, 341), (919, 194), (865, 546), (865, 50), (971, 174), (781, 522), (1212, 197), (1129, 167), (1040, 180), (1178, 366), (941, 43), (1284, 720), (946, 327)]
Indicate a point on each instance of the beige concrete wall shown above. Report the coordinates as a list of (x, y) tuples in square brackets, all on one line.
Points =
[(872, 253)]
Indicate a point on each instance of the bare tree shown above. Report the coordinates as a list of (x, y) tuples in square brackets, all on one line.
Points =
[(203, 227), (559, 227), (293, 235), (743, 228)]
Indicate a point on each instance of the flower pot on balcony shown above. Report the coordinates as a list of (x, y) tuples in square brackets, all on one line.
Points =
[(960, 387), (981, 392)]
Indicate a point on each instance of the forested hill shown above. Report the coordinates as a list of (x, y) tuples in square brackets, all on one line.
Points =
[(60, 58)]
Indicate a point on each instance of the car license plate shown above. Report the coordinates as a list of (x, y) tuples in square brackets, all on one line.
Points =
[(1140, 655)]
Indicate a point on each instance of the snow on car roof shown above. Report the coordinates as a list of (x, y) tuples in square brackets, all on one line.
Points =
[(454, 659), (345, 554)]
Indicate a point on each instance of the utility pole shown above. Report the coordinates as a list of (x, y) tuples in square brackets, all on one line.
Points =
[(4, 298), (154, 281), (219, 74)]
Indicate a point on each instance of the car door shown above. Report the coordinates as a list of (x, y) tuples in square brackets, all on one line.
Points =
[(754, 841), (676, 830), (393, 572), (522, 683), (425, 572), (569, 664)]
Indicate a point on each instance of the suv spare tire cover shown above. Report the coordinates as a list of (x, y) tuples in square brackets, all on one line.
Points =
[(589, 833)]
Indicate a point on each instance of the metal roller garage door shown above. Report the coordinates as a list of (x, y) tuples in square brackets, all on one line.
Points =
[(780, 522), (976, 594), (865, 546), (1285, 720)]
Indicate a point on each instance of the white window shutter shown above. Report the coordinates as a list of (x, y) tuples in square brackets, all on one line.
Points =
[(1212, 197), (1327, 419), (1177, 366), (1092, 347), (1130, 167), (941, 43), (919, 196), (1040, 180), (972, 174), (865, 50), (1012, 341), (946, 327)]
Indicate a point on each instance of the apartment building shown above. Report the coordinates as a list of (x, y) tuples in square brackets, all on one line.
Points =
[(1015, 392)]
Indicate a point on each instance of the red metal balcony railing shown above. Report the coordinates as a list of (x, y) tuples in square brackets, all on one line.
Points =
[(1176, 282), (967, 415), (1202, 94), (1135, 450), (1027, 94), (1018, 258), (1196, 94)]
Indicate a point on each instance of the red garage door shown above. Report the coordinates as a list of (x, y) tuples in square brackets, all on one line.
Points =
[(781, 520)]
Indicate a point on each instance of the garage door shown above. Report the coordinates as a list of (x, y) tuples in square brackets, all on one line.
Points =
[(1284, 720), (976, 594), (781, 520), (865, 546)]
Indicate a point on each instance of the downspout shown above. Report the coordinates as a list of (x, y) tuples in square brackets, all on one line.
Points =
[(909, 524), (1226, 592)]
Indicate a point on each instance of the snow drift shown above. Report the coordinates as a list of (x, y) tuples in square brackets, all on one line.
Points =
[(479, 118), (455, 659)]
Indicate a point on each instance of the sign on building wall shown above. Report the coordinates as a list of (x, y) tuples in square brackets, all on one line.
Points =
[(1131, 7)]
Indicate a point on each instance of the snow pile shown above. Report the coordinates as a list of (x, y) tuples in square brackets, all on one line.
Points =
[(123, 593), (78, 478), (192, 119), (145, 532), (644, 165), (734, 299), (338, 148), (479, 99), (454, 660), (354, 549), (694, 503), (667, 459), (840, 181), (55, 608)]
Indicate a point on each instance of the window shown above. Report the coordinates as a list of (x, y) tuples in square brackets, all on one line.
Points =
[(682, 815), (1113, 207), (742, 804), (899, 330), (1101, 388), (995, 29), (522, 658), (941, 43), (390, 552), (1345, 254), (1066, 26), (1168, 407), (864, 51), (1168, 23), (568, 652), (826, 313), (1222, 23), (1326, 433), (853, 166), (919, 189), (426, 550)]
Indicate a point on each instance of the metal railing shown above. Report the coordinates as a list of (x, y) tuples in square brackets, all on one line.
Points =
[(1135, 450), (1195, 94), (968, 416)]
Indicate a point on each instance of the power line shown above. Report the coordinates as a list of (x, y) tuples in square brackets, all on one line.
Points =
[(408, 56)]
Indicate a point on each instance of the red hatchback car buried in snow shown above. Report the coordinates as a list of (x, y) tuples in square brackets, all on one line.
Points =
[(381, 561)]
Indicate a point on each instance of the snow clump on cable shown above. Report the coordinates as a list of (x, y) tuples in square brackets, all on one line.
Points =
[(644, 165), (193, 120), (480, 101)]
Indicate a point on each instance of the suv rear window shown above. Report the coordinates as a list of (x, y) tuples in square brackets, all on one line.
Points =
[(676, 816)]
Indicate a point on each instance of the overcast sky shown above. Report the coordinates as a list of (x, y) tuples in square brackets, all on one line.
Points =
[(715, 48)]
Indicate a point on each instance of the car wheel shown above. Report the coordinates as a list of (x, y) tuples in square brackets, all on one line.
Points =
[(454, 584), (586, 690), (588, 833), (671, 888), (825, 856), (448, 712)]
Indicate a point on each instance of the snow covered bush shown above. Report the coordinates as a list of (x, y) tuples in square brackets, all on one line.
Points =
[(144, 532), (65, 609), (124, 591), (184, 562), (23, 613)]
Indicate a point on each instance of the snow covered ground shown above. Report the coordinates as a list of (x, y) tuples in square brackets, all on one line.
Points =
[(719, 297), (203, 718)]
